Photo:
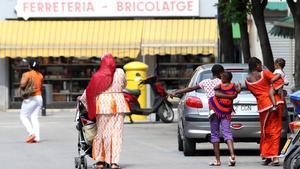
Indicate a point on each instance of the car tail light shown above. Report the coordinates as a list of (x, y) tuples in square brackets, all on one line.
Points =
[(294, 125), (236, 125), (194, 102)]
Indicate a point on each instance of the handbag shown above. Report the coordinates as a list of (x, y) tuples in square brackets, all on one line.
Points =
[(28, 89), (89, 132)]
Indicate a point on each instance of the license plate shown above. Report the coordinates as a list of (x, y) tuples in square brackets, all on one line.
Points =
[(286, 146), (244, 108)]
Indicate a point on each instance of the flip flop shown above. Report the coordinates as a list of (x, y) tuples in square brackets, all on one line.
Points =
[(267, 161), (99, 165), (214, 163), (115, 166), (277, 163)]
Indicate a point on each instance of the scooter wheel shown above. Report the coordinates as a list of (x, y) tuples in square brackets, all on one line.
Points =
[(292, 161), (166, 113)]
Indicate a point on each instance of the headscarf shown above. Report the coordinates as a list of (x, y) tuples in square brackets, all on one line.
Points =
[(100, 81)]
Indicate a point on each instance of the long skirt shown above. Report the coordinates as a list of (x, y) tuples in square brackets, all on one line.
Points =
[(270, 124), (107, 144)]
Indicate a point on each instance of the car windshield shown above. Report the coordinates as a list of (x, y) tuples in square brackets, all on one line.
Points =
[(237, 76)]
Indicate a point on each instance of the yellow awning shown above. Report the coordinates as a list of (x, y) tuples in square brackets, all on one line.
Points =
[(70, 38), (179, 36), (123, 38)]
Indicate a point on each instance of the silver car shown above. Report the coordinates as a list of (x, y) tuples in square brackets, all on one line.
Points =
[(193, 124)]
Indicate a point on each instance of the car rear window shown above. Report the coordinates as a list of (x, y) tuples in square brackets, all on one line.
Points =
[(237, 76)]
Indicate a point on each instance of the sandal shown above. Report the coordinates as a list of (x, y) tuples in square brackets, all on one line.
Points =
[(275, 163), (231, 161), (214, 163), (99, 165), (115, 166), (30, 138), (267, 161)]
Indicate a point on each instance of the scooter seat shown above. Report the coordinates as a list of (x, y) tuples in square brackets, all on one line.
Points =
[(135, 92)]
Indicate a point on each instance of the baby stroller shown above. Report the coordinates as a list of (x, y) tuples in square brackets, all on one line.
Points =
[(86, 132)]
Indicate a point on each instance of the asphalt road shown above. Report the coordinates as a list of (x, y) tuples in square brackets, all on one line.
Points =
[(147, 145)]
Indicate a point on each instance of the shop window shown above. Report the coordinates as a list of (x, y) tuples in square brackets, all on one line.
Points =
[(65, 78), (176, 71)]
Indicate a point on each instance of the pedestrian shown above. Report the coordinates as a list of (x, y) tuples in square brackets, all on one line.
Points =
[(258, 83), (221, 118), (31, 105), (208, 86), (106, 104), (277, 85)]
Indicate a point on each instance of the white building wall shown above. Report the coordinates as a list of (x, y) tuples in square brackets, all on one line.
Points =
[(255, 49), (4, 84), (283, 48)]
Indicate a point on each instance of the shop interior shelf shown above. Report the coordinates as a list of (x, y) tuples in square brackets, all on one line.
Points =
[(174, 78), (178, 63), (62, 79), (70, 64), (71, 93)]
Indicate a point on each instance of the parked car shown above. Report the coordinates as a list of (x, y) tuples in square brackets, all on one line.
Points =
[(193, 124)]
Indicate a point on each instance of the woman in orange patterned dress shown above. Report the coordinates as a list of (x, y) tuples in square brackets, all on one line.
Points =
[(106, 103), (258, 83)]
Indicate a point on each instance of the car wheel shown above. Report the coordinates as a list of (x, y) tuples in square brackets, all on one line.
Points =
[(189, 147), (179, 140)]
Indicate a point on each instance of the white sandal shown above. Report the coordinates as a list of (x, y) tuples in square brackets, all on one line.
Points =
[(231, 162)]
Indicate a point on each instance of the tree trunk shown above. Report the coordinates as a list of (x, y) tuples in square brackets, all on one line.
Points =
[(297, 52), (258, 15), (226, 39), (244, 31), (245, 41)]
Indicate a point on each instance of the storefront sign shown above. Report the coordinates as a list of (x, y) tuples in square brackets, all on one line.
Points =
[(106, 8)]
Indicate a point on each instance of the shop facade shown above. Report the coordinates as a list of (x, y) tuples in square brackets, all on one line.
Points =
[(68, 48)]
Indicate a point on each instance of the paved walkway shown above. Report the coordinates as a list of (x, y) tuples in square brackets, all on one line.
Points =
[(146, 146)]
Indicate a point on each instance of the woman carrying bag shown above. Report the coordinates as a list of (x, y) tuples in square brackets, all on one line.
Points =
[(31, 83)]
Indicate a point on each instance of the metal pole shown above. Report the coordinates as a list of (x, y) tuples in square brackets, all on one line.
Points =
[(44, 100)]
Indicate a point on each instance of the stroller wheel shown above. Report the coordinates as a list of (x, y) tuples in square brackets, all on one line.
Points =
[(84, 162), (77, 162)]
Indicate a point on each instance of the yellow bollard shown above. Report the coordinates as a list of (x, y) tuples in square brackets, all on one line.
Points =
[(135, 72)]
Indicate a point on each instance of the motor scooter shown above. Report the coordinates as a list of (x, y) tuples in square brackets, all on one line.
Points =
[(161, 106), (291, 149)]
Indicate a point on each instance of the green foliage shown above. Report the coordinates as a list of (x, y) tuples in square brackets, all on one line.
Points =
[(235, 11)]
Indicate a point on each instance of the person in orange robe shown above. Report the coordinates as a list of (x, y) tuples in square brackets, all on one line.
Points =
[(258, 83)]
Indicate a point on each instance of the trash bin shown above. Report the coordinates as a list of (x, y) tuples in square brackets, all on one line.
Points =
[(135, 72), (47, 97), (48, 93), (295, 99)]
